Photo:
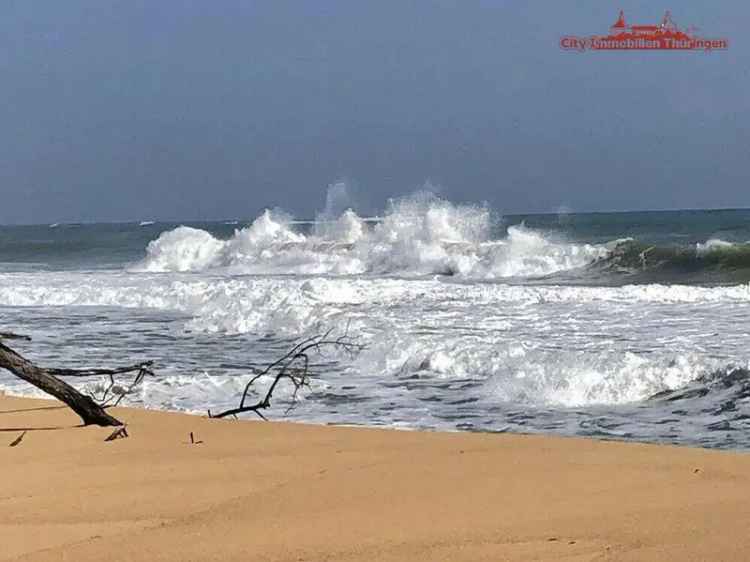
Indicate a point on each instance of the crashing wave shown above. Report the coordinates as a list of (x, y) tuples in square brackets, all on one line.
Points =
[(420, 235), (713, 261), (712, 245), (526, 374)]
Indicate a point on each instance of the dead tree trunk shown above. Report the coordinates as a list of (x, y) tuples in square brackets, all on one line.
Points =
[(89, 411)]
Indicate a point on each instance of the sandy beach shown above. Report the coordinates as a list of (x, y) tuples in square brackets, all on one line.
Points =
[(292, 492)]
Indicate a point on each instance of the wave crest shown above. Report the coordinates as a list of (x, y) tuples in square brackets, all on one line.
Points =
[(419, 235), (183, 249), (709, 262)]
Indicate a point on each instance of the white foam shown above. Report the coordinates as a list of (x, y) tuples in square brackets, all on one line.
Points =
[(528, 372), (291, 305), (440, 350), (542, 346), (183, 249), (703, 248), (419, 235)]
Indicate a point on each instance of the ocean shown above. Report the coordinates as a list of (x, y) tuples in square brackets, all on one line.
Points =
[(629, 326)]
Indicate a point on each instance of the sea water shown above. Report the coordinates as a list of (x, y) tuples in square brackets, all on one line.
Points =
[(614, 325)]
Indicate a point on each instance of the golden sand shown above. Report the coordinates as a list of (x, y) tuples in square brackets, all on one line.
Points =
[(278, 491)]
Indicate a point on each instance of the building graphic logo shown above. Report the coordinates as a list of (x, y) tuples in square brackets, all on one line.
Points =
[(665, 36)]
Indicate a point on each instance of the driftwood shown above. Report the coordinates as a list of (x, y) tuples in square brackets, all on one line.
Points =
[(113, 393), (91, 411), (294, 367)]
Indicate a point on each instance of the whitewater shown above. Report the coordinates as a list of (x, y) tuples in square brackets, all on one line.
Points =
[(626, 326)]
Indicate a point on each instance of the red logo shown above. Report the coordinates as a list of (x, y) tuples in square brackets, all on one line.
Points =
[(663, 37)]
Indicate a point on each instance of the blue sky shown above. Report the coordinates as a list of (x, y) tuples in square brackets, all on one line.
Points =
[(127, 110)]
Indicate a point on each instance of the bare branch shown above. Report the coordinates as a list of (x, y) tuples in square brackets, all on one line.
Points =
[(87, 407), (96, 372), (294, 366), (113, 393), (12, 336)]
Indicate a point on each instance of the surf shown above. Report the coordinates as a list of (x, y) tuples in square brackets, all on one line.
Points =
[(415, 236)]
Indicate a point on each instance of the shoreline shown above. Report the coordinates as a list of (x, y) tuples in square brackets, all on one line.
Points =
[(291, 491), (249, 417)]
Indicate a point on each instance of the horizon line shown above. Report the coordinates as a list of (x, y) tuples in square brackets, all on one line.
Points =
[(563, 211)]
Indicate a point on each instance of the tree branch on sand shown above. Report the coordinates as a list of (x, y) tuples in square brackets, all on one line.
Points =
[(294, 367), (91, 409)]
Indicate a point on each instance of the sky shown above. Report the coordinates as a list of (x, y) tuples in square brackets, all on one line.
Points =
[(194, 110)]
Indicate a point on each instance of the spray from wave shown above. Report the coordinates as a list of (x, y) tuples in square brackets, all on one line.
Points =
[(419, 235)]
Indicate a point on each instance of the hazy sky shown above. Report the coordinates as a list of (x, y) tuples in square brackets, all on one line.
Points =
[(121, 110)]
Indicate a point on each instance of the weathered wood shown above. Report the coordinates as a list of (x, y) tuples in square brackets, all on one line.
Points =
[(294, 366), (89, 411)]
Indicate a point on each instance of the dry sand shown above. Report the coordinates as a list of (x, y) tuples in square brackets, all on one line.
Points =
[(276, 491)]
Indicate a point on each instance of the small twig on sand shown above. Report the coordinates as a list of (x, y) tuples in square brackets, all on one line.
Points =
[(17, 440), (119, 433)]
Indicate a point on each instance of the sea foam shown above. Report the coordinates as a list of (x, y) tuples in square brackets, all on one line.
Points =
[(419, 235)]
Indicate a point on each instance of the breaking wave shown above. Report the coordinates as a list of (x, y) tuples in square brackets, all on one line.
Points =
[(421, 235), (425, 235), (467, 322), (712, 261), (522, 374)]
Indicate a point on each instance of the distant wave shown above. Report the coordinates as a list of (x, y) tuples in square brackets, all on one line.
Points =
[(429, 236), (713, 261), (416, 236)]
